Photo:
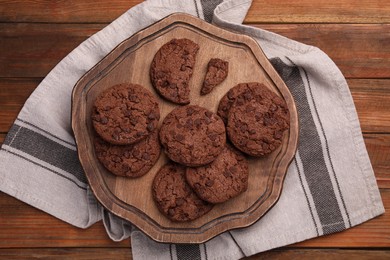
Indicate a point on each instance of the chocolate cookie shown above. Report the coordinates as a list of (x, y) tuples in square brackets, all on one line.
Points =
[(171, 69), (192, 135), (132, 160), (253, 88), (217, 71), (125, 114), (257, 120), (224, 178), (174, 197)]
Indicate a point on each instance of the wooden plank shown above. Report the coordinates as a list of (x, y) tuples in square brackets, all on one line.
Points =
[(371, 97), (372, 102), (32, 50), (329, 254), (81, 11), (23, 226), (261, 11), (307, 11), (15, 91), (66, 253), (13, 94), (359, 50), (378, 147)]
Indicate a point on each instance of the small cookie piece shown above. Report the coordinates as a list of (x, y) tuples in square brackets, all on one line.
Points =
[(217, 71), (251, 88), (171, 69), (125, 114), (174, 197), (226, 177), (257, 120), (132, 160), (192, 135)]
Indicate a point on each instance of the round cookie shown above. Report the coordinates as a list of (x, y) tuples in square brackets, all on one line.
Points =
[(174, 197), (256, 123), (132, 160), (252, 88), (171, 69), (192, 135), (225, 178), (125, 114)]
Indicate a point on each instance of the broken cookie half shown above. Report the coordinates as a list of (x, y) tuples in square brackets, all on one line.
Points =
[(172, 68), (217, 71)]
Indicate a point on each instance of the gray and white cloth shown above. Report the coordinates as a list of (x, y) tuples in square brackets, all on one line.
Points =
[(330, 185)]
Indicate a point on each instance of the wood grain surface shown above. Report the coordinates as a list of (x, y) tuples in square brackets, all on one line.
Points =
[(23, 57), (36, 34), (274, 11)]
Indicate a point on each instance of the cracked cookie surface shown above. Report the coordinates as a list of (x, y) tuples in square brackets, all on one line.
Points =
[(172, 68), (217, 71), (174, 197), (192, 135), (228, 99), (132, 160), (257, 119), (225, 178), (125, 114)]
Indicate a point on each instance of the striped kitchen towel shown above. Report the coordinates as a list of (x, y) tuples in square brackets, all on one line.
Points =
[(330, 185)]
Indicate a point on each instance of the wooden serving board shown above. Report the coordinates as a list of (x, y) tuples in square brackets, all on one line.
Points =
[(130, 61)]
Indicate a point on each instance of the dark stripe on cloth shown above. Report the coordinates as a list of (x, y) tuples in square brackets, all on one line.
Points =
[(208, 7), (196, 8), (45, 149), (47, 132), (170, 251), (238, 245), (327, 150), (311, 153), (307, 198), (205, 250), (188, 251), (44, 167)]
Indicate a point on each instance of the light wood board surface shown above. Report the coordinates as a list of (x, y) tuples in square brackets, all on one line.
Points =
[(131, 198)]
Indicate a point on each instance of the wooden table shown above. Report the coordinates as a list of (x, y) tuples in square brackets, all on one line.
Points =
[(36, 35)]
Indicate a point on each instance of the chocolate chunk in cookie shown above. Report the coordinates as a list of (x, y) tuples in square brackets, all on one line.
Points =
[(257, 120), (226, 177), (171, 69), (174, 197), (192, 135), (132, 160), (125, 114), (217, 71)]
